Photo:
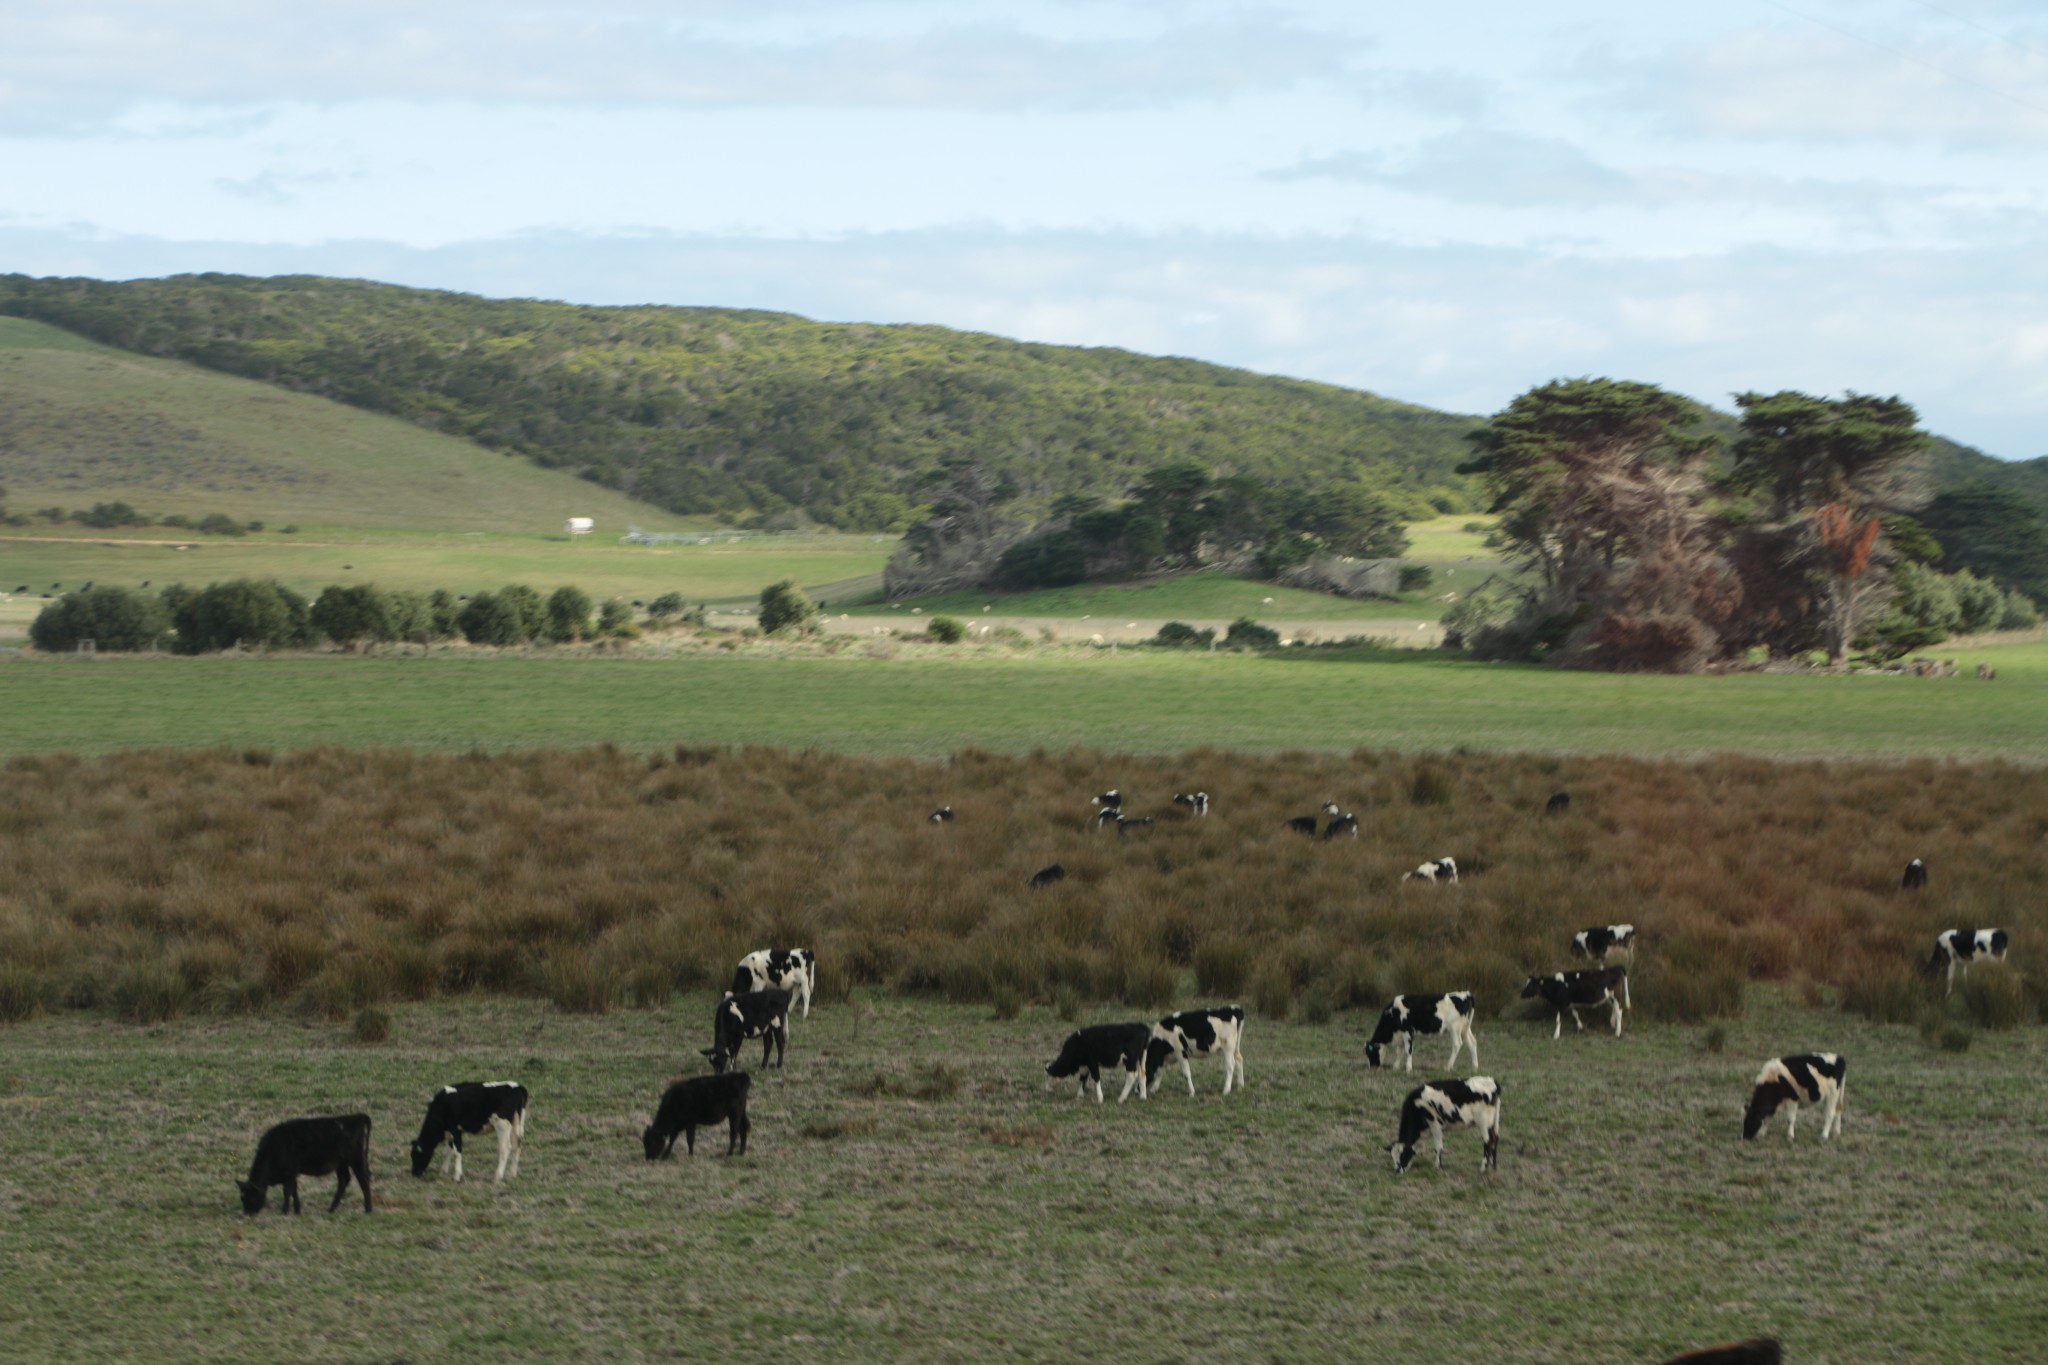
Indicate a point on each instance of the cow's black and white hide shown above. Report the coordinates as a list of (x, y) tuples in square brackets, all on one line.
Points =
[(1436, 871), (1089, 1052), (1960, 947), (1125, 826), (1343, 824), (1440, 1104), (1111, 800), (943, 815), (1196, 802), (1755, 1351), (1046, 876), (1405, 1016), (794, 970), (1558, 804), (1916, 876), (752, 1014), (336, 1145), (1217, 1031), (1788, 1082), (1575, 991), (1108, 815), (470, 1107), (1603, 940), (700, 1102)]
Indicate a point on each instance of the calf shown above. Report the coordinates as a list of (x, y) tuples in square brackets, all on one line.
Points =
[(1916, 876), (338, 1145), (1196, 802), (1579, 990), (466, 1108), (1046, 876), (1755, 1351), (1343, 824), (1961, 947), (1108, 815), (1603, 939), (699, 1102), (744, 1015), (943, 815), (1440, 870), (1475, 1100), (1809, 1078), (1124, 827), (1306, 824), (1407, 1015), (1088, 1052), (794, 970), (1558, 804), (1197, 1033)]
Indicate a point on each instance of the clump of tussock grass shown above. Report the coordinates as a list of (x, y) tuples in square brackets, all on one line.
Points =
[(148, 992), (828, 1130), (371, 1025), (1993, 999), (1273, 988), (21, 993), (1222, 966)]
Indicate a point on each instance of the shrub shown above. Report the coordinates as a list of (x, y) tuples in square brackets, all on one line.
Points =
[(2019, 612), (568, 615), (1886, 992), (221, 524), (21, 993), (489, 620), (1222, 966), (1273, 988), (372, 1025), (1956, 1038), (113, 618), (148, 993), (574, 984), (243, 611), (784, 605), (352, 613), (1416, 577), (1150, 985), (1066, 1004), (1245, 633), (1993, 1000), (1181, 635), (668, 604), (946, 630), (615, 618), (108, 515)]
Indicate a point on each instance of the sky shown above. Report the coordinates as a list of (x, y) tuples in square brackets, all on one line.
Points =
[(1443, 204)]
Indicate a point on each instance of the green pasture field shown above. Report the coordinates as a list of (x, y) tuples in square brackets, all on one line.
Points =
[(913, 1192), (932, 700)]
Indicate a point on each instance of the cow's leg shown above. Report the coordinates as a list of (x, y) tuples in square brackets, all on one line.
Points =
[(455, 1153), (518, 1139), (1615, 1006), (1792, 1128), (1409, 1039), (1489, 1158), (1951, 977), (1556, 1032), (1436, 1137), (1095, 1074), (1577, 1022), (291, 1194), (340, 1185), (1132, 1078), (503, 1129), (1189, 1073)]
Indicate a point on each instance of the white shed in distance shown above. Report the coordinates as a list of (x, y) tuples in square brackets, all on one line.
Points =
[(579, 526)]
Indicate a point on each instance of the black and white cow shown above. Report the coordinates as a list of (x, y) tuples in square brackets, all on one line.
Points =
[(1916, 876), (1602, 939), (1435, 871), (1755, 1351), (467, 1107), (1808, 1078), (1407, 1015), (1575, 991), (1125, 826), (699, 1102), (336, 1145), (1196, 802), (1440, 1104), (794, 970), (943, 815), (749, 1014), (1046, 876), (1558, 804), (1343, 824), (1088, 1052), (1112, 799), (1108, 815), (1218, 1030), (1306, 824), (1960, 947)]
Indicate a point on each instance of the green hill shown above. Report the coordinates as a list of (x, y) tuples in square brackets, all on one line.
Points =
[(1951, 465), (737, 413)]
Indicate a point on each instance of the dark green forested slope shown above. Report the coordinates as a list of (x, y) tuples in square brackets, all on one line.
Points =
[(743, 412), (1951, 465)]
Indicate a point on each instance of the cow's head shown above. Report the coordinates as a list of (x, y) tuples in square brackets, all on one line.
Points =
[(1403, 1153), (253, 1196), (720, 1059), (1372, 1055), (422, 1157), (1532, 988), (651, 1140)]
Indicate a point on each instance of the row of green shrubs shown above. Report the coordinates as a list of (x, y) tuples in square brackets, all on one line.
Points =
[(113, 516)]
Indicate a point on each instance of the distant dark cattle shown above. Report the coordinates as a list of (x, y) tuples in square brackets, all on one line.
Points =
[(1916, 876), (1407, 1015), (468, 1107), (1108, 815), (337, 1145), (1788, 1082), (1558, 804), (1303, 824), (1109, 800), (1436, 871), (1046, 876), (1602, 940), (1960, 947), (1755, 1351), (1216, 1031), (1580, 990), (786, 969), (1474, 1101), (754, 1014), (1089, 1052), (1343, 824), (1196, 802), (700, 1102), (1124, 827), (941, 816)]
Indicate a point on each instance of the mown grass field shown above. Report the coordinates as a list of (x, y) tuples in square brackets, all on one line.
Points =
[(932, 700), (914, 1193)]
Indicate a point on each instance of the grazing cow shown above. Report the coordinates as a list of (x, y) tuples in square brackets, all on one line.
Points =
[(1407, 1015), (750, 1014), (1108, 815), (1755, 1351), (943, 815), (1111, 800), (338, 1145), (699, 1102), (1580, 990), (1306, 824), (1088, 1052), (1809, 1078), (1439, 870), (1124, 826), (466, 1108), (1343, 824), (1046, 876), (1198, 1033), (794, 970), (1196, 802), (1961, 947), (1916, 876), (1558, 804), (1603, 939), (1475, 1100)]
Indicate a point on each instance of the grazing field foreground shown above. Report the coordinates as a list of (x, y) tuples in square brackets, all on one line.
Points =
[(912, 1192), (930, 700)]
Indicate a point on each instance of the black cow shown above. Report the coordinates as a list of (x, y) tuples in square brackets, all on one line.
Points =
[(337, 1145), (1474, 1101), (1755, 1351), (1407, 1015), (1578, 990), (1197, 1033), (1558, 804), (699, 1102), (1343, 824), (1196, 802), (467, 1107), (1916, 876), (749, 1014), (1602, 939), (1808, 1078), (1961, 947), (1306, 824), (1088, 1052), (1046, 876)]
